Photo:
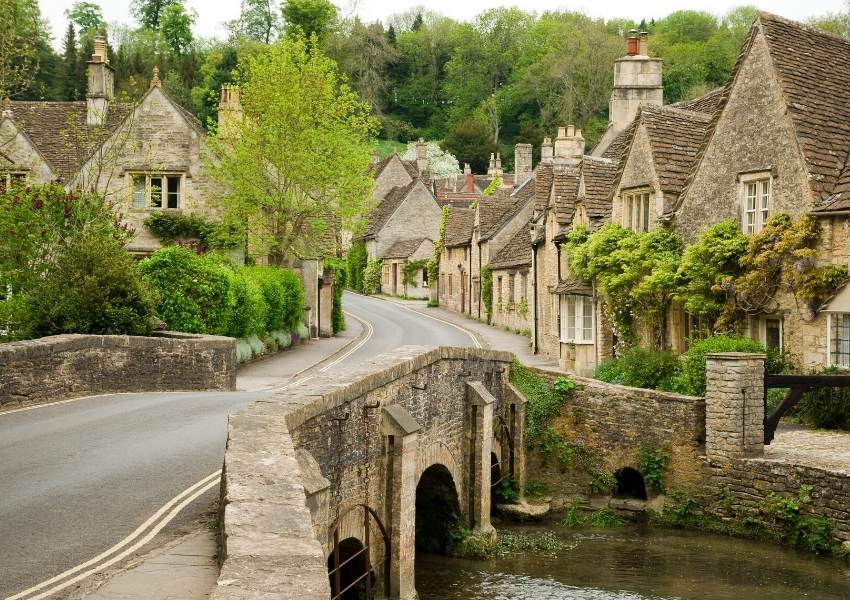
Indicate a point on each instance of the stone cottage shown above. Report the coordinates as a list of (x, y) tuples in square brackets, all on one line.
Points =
[(455, 285), (779, 142), (407, 256), (142, 157)]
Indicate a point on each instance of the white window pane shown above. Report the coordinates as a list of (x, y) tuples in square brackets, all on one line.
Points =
[(587, 319), (138, 192), (571, 318)]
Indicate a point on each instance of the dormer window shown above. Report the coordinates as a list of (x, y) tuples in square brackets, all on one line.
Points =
[(757, 201), (634, 210), (157, 190)]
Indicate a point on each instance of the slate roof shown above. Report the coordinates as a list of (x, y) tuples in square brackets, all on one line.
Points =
[(813, 69), (382, 213), (60, 133), (598, 175), (571, 286), (708, 103), (516, 253), (403, 248), (543, 177), (520, 197), (565, 188), (675, 136), (459, 226)]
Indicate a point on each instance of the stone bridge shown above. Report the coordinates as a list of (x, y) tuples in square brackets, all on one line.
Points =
[(329, 488)]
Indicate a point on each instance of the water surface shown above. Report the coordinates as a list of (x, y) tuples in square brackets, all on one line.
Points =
[(636, 562)]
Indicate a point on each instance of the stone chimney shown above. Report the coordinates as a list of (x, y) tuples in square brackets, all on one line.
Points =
[(7, 108), (547, 151), (470, 178), (101, 84), (637, 82), (421, 156), (569, 146), (522, 163), (229, 108)]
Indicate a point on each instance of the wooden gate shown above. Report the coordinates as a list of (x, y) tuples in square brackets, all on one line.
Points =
[(797, 386)]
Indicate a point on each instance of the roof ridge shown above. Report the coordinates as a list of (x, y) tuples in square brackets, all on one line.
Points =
[(675, 110), (800, 25)]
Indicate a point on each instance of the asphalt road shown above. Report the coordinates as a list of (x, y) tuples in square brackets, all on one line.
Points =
[(77, 478)]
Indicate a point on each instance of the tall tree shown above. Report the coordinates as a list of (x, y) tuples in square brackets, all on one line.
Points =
[(311, 17), (471, 142), (23, 37), (176, 27), (87, 16), (258, 20), (149, 12), (71, 89), (296, 164)]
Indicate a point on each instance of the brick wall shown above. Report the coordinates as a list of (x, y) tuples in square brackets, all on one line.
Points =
[(63, 366)]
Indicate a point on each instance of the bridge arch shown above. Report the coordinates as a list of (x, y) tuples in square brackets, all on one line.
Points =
[(437, 509), (629, 484), (359, 553)]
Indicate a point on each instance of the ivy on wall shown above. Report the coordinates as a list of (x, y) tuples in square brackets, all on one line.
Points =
[(439, 245), (175, 227), (487, 289), (410, 271)]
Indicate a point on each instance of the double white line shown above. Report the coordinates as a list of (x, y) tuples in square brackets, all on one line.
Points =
[(141, 536)]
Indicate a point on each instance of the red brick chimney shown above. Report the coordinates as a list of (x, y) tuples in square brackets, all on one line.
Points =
[(470, 178), (632, 44)]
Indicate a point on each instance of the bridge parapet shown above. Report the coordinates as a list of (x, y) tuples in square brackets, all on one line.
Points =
[(339, 459)]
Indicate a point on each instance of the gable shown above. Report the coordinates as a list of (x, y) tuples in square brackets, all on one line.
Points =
[(390, 175), (17, 152), (751, 133), (417, 216)]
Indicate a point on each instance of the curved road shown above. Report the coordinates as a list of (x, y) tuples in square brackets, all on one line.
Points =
[(77, 478)]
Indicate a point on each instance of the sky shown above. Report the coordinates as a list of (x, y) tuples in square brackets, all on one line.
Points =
[(213, 15)]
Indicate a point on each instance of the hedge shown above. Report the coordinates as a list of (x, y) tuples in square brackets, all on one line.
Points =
[(207, 294)]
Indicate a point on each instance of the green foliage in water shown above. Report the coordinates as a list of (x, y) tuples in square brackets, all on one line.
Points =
[(652, 464), (599, 519), (546, 543)]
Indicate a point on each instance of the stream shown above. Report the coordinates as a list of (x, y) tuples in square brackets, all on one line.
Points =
[(637, 562)]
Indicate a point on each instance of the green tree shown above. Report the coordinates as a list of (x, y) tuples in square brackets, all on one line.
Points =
[(835, 22), (87, 16), (176, 27), (311, 17), (471, 142), (23, 38), (70, 82), (258, 21), (149, 13), (297, 163)]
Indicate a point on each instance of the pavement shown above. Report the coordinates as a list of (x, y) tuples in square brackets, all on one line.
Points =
[(92, 485)]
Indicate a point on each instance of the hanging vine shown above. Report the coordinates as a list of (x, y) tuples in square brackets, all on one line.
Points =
[(439, 245)]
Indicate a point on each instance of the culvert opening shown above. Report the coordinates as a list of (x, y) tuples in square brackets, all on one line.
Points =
[(349, 581), (437, 509), (630, 484)]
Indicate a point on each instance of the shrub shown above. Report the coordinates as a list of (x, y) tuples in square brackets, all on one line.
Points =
[(356, 264), (284, 296), (250, 310), (691, 379), (638, 367), (92, 286), (196, 293), (827, 408), (543, 400), (171, 227), (372, 276)]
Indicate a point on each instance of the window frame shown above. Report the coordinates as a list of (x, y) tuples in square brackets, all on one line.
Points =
[(760, 333), (761, 210), (164, 189), (636, 209), (830, 339), (571, 325)]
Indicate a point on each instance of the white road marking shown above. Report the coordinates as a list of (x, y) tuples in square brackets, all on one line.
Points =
[(369, 331), (458, 327), (193, 492)]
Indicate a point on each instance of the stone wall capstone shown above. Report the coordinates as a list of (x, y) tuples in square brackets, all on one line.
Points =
[(64, 366)]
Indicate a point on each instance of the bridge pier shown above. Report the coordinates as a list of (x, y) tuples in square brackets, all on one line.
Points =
[(481, 403)]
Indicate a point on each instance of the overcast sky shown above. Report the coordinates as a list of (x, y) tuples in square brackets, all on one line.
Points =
[(212, 14)]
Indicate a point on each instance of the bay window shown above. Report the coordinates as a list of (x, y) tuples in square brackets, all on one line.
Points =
[(577, 319)]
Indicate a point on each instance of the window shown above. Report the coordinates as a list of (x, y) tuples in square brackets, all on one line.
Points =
[(635, 211), (8, 179), (156, 190), (695, 327), (768, 330), (757, 202), (577, 319), (499, 290), (385, 275), (425, 277), (511, 288), (450, 284), (523, 287), (838, 333)]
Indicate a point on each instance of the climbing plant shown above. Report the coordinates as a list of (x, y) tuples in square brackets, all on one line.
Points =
[(439, 245), (410, 271), (493, 187), (175, 227), (356, 260), (372, 276), (487, 290)]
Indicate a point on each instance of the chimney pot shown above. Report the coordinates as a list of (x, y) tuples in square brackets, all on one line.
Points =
[(643, 44)]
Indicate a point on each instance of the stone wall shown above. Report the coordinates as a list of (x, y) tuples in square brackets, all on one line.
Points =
[(63, 366), (608, 424), (361, 437)]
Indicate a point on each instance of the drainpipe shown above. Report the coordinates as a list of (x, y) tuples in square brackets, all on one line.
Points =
[(469, 283), (480, 299), (534, 340)]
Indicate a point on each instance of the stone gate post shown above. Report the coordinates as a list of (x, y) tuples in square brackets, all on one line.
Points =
[(481, 403), (734, 405), (400, 430)]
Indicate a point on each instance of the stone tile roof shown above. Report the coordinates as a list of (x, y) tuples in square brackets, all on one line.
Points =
[(813, 69), (675, 136), (382, 213), (543, 177), (459, 226), (565, 185), (708, 103), (403, 248), (60, 133), (409, 165), (571, 286), (492, 211), (620, 144), (520, 196), (456, 199), (516, 253), (598, 175)]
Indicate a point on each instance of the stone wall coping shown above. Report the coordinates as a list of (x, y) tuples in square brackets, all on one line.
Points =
[(623, 389), (778, 463), (735, 355), (69, 342), (333, 391)]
